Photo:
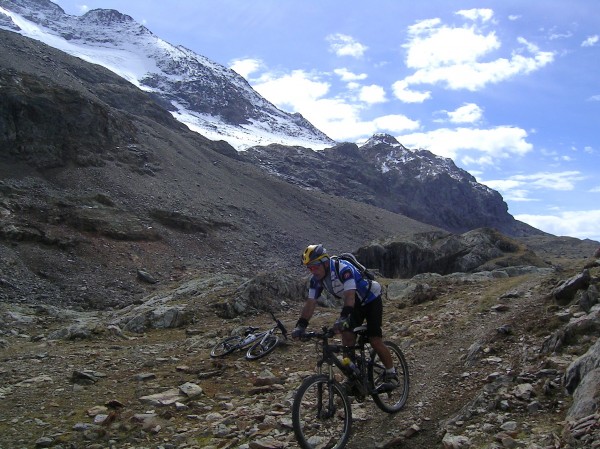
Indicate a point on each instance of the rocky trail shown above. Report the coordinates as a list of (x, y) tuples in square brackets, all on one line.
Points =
[(479, 377)]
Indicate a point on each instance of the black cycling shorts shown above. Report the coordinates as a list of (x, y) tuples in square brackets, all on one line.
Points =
[(373, 313)]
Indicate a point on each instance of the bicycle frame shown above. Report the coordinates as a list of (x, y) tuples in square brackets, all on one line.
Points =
[(329, 357), (265, 340), (251, 338), (267, 343), (321, 410)]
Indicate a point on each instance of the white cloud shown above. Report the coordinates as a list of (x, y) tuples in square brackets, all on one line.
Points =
[(557, 36), (424, 25), (310, 94), (293, 89), (477, 160), (595, 189), (348, 126), (474, 14), (406, 95), (552, 181), (372, 94), (522, 187), (488, 145), (245, 67), (590, 41), (443, 46), (580, 224), (338, 117), (519, 196), (468, 113), (454, 57), (344, 45), (395, 123), (347, 76)]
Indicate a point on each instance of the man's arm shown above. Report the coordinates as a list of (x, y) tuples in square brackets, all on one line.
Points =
[(342, 324), (305, 315), (349, 298), (309, 309)]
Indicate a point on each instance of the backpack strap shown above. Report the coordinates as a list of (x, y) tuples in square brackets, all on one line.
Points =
[(336, 262)]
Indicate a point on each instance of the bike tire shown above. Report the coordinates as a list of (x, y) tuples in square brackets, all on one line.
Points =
[(262, 347), (226, 346), (389, 401), (318, 422)]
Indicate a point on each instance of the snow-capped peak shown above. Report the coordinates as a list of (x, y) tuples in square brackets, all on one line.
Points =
[(384, 139), (208, 97)]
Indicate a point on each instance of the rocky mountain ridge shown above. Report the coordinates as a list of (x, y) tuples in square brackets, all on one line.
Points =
[(384, 173), (205, 95)]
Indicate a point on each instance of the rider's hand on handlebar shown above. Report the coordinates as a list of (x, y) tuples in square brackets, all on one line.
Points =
[(298, 332), (342, 324)]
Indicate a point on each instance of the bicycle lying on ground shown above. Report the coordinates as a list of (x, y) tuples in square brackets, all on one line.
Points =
[(321, 412), (262, 343)]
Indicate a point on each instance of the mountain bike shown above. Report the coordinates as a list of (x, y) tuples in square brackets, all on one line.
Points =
[(321, 411), (261, 343)]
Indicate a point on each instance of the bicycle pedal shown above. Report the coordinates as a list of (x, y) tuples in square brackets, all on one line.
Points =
[(360, 398), (385, 388)]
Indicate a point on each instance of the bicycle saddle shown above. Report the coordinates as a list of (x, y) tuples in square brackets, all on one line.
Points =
[(360, 330)]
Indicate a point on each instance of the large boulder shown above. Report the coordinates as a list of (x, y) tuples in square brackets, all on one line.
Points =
[(266, 291), (482, 249), (581, 367), (565, 291), (582, 379)]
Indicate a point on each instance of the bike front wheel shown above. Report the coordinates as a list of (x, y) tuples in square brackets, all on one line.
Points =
[(321, 414), (389, 400), (226, 346), (262, 347)]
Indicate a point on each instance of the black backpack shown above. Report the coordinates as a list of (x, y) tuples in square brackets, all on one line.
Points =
[(349, 257)]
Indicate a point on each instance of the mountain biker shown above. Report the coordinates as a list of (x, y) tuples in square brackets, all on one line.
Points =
[(362, 300)]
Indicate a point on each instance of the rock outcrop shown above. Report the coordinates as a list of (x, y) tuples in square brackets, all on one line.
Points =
[(478, 250), (382, 172)]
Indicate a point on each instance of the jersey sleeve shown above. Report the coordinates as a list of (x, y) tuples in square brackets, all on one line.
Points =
[(315, 288), (347, 278)]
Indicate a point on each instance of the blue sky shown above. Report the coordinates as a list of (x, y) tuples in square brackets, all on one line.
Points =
[(508, 89)]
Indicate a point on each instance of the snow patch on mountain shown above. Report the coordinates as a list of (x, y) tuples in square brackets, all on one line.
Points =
[(240, 137), (393, 156), (209, 98)]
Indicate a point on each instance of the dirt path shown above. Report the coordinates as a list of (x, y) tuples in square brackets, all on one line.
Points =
[(441, 383), (40, 397)]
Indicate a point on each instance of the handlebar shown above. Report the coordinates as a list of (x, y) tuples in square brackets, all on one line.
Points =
[(279, 325), (324, 335), (282, 329)]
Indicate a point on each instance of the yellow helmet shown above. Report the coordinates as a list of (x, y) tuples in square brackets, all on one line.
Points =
[(313, 254)]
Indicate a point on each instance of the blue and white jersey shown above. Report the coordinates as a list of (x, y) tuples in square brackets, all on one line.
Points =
[(349, 279)]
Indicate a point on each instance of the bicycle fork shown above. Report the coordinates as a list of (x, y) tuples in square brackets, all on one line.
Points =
[(326, 411)]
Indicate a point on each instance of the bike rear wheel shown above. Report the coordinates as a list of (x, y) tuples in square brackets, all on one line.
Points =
[(390, 401), (226, 346), (262, 347), (321, 414)]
